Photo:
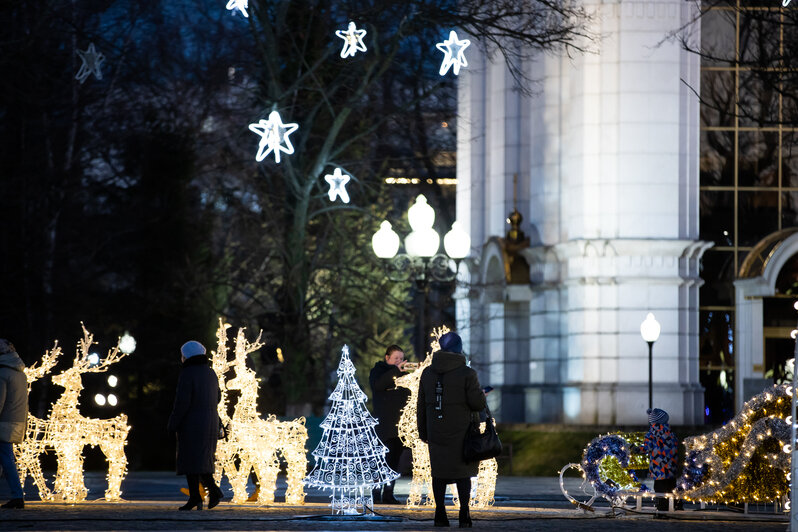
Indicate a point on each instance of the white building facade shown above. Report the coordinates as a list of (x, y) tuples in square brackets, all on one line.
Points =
[(606, 154)]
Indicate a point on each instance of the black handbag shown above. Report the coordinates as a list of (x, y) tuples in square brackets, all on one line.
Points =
[(480, 446)]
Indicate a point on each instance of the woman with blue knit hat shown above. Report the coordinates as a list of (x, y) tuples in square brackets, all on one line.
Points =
[(195, 419), (662, 446), (449, 396)]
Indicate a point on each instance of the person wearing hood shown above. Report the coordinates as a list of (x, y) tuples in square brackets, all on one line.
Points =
[(13, 417), (662, 446), (388, 403), (195, 419), (449, 397)]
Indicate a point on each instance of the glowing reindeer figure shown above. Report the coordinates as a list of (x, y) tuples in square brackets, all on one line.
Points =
[(34, 445), (255, 442), (67, 431), (485, 486)]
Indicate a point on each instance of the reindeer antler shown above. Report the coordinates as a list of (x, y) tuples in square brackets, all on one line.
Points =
[(43, 367), (82, 364)]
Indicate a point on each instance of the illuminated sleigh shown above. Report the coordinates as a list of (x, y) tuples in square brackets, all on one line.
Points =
[(746, 460)]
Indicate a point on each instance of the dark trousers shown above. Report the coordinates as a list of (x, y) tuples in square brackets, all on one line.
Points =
[(439, 493), (665, 485), (193, 480)]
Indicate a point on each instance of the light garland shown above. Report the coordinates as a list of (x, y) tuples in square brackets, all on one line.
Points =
[(91, 60), (353, 40), (454, 53), (254, 444), (66, 431), (350, 458), (241, 5), (337, 182), (273, 133), (482, 490)]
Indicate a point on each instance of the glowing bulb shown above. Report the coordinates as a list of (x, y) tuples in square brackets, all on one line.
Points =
[(99, 399), (93, 359), (127, 344), (112, 381), (112, 400)]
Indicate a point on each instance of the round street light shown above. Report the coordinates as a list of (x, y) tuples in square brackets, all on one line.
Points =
[(385, 242), (649, 330), (127, 344)]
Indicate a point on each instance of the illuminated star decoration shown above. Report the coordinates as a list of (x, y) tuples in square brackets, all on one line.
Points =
[(273, 133), (353, 40), (241, 5), (92, 59), (337, 182), (454, 56)]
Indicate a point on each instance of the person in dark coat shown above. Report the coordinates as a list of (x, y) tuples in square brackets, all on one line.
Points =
[(388, 403), (13, 417), (449, 397), (195, 419)]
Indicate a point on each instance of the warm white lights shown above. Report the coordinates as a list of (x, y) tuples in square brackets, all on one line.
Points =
[(99, 399), (350, 458), (253, 443), (66, 431), (353, 40), (456, 242), (91, 60), (650, 328), (454, 56), (274, 136), (337, 181), (112, 400), (483, 487)]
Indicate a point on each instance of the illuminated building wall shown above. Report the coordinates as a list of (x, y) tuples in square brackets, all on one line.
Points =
[(606, 154)]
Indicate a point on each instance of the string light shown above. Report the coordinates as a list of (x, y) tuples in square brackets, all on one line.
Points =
[(482, 490), (66, 431), (350, 458), (353, 40), (253, 443)]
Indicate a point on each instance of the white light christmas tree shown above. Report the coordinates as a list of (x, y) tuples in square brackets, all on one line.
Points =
[(350, 458), (353, 40), (337, 181), (454, 56)]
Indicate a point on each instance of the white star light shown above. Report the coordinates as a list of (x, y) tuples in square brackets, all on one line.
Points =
[(353, 40), (92, 59), (337, 182), (453, 49), (273, 133), (241, 5)]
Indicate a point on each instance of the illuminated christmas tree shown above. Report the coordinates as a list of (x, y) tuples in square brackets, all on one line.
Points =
[(350, 458)]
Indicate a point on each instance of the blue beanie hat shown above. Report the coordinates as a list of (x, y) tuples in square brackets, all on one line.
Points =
[(657, 416), (451, 342), (192, 348)]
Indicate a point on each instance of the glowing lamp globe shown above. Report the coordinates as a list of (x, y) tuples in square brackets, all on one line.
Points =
[(93, 359), (112, 381), (385, 242), (99, 399), (420, 214), (422, 243), (456, 242), (650, 328), (112, 400), (127, 344)]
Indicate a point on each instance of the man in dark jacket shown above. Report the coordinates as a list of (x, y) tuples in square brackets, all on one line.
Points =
[(388, 403), (13, 417)]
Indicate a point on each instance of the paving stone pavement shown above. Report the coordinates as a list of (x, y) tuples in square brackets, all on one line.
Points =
[(522, 503)]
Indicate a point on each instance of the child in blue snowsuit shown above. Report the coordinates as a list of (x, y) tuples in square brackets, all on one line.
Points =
[(662, 445)]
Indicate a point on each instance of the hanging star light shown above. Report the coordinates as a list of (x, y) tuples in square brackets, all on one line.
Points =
[(337, 181), (253, 443), (91, 61), (454, 56), (482, 489), (241, 5), (350, 458), (353, 40), (273, 133)]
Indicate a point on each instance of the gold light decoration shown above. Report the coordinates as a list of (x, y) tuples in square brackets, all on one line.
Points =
[(66, 431), (484, 487), (253, 443)]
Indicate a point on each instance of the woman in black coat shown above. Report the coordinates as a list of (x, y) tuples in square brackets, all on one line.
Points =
[(444, 414), (196, 421)]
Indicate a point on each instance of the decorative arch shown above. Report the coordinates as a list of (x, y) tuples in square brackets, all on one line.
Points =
[(756, 279)]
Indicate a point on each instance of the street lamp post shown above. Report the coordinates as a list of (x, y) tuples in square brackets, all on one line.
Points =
[(421, 260), (649, 330)]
